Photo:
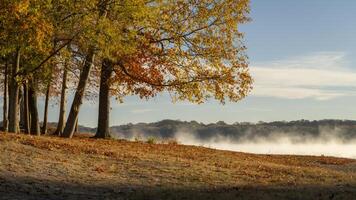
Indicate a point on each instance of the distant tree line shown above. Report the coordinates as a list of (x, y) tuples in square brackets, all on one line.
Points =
[(299, 131)]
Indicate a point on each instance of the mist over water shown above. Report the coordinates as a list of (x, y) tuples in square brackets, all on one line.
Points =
[(319, 138), (323, 145)]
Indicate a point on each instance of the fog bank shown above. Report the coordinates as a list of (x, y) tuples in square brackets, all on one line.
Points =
[(277, 144), (301, 137)]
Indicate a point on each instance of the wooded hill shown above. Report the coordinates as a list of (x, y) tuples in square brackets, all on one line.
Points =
[(297, 131)]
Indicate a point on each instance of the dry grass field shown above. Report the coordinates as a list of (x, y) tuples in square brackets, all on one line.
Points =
[(84, 168)]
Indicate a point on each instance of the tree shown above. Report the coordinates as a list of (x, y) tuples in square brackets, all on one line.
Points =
[(95, 41), (45, 114), (78, 97), (26, 112), (14, 94), (103, 130), (24, 32), (5, 120), (192, 50), (63, 102), (35, 125)]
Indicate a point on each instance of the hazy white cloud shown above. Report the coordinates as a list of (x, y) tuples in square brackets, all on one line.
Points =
[(320, 76)]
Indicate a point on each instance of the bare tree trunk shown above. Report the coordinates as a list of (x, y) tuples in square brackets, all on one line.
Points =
[(83, 79), (62, 107), (5, 120), (14, 95), (45, 115), (79, 94), (76, 130), (26, 110), (21, 113), (35, 125), (103, 130)]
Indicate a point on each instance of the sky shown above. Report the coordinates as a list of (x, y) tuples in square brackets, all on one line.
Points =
[(302, 57)]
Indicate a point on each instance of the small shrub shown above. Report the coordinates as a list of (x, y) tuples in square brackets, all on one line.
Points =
[(151, 140), (137, 139), (172, 142)]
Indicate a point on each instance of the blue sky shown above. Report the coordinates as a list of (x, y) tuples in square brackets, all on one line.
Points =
[(302, 57)]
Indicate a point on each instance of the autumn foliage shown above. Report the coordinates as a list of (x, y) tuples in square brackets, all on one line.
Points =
[(192, 50)]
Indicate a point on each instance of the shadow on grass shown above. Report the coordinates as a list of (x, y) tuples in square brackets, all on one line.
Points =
[(29, 188)]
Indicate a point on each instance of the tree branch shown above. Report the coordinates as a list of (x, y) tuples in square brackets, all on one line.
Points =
[(55, 52), (173, 84)]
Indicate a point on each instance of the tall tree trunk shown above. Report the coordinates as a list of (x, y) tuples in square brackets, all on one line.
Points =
[(21, 113), (104, 100), (76, 130), (5, 120), (14, 95), (79, 94), (83, 79), (62, 106), (35, 125), (25, 107), (45, 115)]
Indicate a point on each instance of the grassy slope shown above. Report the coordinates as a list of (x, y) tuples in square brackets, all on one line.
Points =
[(56, 168)]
